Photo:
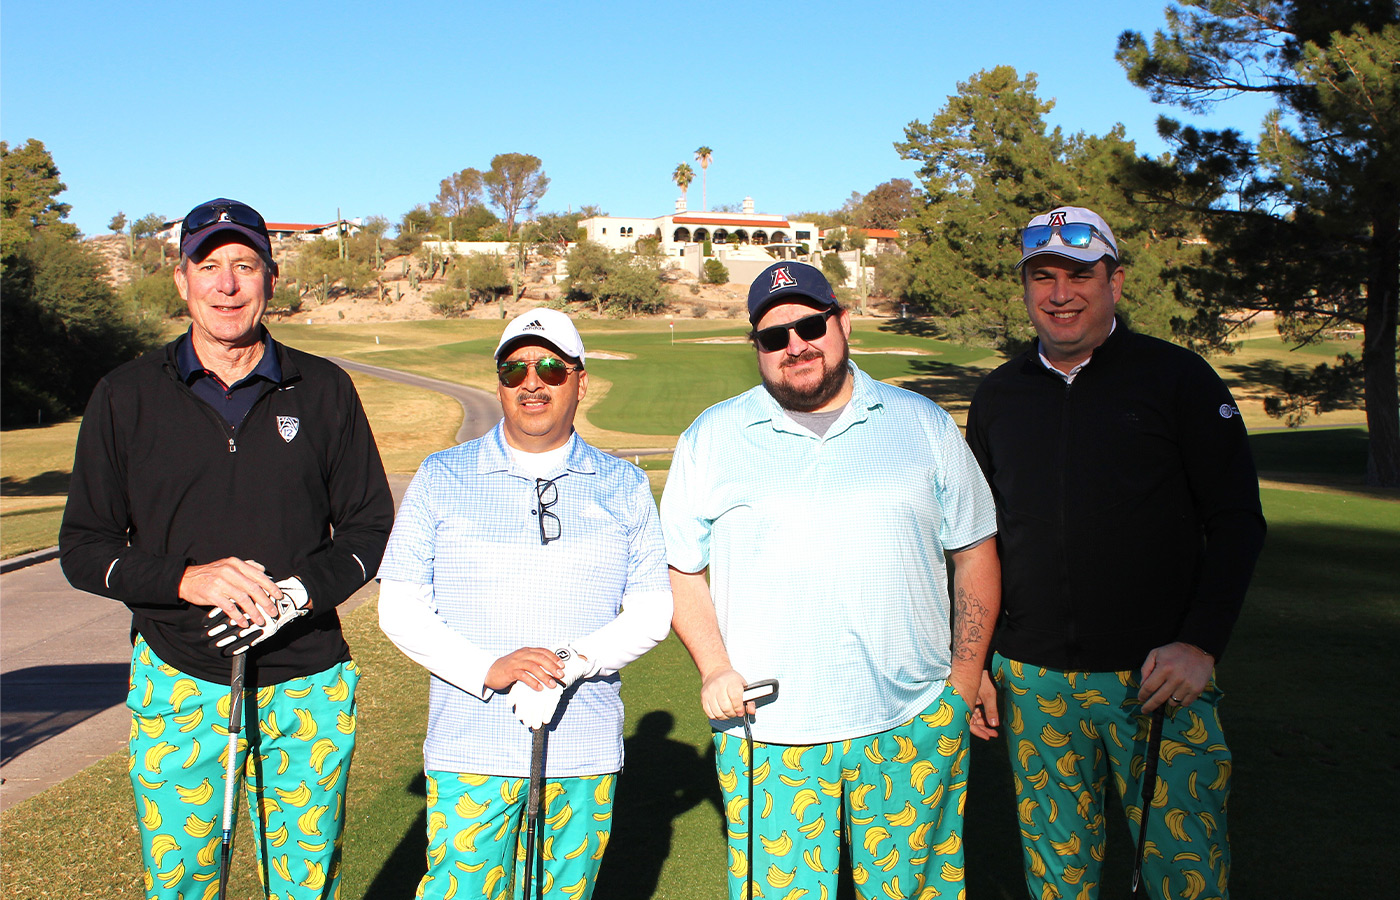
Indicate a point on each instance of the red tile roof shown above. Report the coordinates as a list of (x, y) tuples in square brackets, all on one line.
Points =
[(737, 223)]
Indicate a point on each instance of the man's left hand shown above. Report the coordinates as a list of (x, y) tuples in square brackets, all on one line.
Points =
[(232, 640), (1177, 673)]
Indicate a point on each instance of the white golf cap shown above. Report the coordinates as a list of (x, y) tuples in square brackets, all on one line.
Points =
[(548, 325), (1101, 244)]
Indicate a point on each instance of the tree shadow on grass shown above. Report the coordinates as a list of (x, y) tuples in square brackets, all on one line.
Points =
[(926, 328), (406, 866), (950, 386), (44, 701), (44, 485)]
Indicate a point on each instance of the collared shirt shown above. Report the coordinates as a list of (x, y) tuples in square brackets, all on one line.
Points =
[(231, 401), (1074, 372), (469, 527), (826, 554)]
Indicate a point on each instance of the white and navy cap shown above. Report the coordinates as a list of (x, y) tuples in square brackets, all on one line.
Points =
[(548, 325), (1050, 239)]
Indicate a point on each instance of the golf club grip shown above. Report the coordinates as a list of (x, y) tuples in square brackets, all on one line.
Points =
[(235, 724), (532, 806), (1149, 789)]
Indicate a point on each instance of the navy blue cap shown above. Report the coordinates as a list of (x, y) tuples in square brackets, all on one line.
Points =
[(216, 216), (789, 282)]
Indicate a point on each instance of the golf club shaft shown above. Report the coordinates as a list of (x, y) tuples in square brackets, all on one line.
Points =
[(532, 809), (1149, 789), (235, 724)]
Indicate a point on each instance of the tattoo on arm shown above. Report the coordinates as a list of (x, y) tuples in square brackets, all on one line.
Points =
[(970, 625)]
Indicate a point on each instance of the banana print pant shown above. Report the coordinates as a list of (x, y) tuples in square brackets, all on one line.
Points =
[(901, 792), (476, 836), (1068, 733), (294, 780)]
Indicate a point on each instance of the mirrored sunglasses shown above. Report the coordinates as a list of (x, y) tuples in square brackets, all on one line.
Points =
[(1073, 234), (551, 371), (808, 328)]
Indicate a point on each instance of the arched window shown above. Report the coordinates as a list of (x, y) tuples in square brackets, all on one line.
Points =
[(741, 236), (721, 235), (778, 238), (681, 236), (702, 235), (760, 237)]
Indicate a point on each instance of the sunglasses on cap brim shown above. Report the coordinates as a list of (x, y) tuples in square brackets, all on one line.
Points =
[(551, 371), (1072, 234), (203, 217)]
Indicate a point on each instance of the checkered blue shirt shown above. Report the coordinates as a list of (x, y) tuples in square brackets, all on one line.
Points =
[(468, 526), (826, 554)]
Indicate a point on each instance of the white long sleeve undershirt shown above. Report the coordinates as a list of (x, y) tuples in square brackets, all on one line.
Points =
[(408, 616)]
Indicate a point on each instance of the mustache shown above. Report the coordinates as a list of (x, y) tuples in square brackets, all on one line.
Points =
[(541, 394), (805, 356)]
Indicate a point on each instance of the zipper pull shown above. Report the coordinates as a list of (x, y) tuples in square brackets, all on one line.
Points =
[(232, 447)]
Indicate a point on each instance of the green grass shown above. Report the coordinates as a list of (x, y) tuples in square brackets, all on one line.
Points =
[(1308, 720), (30, 529)]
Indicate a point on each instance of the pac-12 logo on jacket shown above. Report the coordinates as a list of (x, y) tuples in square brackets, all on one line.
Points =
[(287, 426)]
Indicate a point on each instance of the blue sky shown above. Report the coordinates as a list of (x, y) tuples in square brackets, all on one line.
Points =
[(302, 107)]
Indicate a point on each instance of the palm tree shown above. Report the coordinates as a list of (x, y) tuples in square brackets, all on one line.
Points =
[(703, 156), (683, 176)]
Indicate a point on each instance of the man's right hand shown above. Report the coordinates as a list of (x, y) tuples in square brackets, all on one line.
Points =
[(722, 695), (237, 586), (536, 667)]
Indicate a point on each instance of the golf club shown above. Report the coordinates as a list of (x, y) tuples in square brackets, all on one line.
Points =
[(1149, 790), (759, 691), (532, 812), (235, 724)]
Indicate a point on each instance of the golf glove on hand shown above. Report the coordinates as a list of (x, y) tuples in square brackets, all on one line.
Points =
[(575, 666), (231, 640), (534, 708)]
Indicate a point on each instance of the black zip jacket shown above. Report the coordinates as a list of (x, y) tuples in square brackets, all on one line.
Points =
[(161, 481), (1128, 509)]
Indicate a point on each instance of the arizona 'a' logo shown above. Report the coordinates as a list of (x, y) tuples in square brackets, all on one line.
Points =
[(782, 278), (287, 426), (1057, 218)]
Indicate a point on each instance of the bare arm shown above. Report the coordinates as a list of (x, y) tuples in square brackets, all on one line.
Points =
[(976, 604), (695, 623)]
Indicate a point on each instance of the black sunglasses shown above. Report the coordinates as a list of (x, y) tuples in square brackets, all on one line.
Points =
[(809, 328), (547, 493), (208, 214), (552, 372)]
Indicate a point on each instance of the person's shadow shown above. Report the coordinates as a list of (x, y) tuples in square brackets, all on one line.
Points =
[(663, 779)]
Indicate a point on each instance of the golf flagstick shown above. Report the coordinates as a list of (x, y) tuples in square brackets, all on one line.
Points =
[(532, 811), (1149, 790), (759, 690), (235, 724)]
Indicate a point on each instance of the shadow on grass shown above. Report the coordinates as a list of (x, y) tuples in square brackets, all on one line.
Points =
[(1336, 452), (44, 485), (950, 386), (406, 866), (925, 328), (663, 779)]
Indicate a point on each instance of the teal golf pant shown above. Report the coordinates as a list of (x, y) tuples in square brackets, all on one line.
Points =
[(895, 797), (1070, 732), (476, 836), (294, 779)]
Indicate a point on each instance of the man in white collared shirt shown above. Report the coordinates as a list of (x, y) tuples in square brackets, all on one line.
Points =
[(525, 568)]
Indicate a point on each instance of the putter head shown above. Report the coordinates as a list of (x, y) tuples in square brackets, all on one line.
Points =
[(761, 692)]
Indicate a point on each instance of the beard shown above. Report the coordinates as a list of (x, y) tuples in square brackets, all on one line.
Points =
[(807, 399)]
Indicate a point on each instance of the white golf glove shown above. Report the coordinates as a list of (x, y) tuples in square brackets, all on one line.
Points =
[(536, 708), (231, 640)]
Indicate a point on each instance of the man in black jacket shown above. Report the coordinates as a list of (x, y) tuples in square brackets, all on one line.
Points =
[(228, 490), (1128, 522)]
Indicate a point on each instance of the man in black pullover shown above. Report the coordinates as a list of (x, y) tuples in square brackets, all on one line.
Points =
[(228, 490), (1128, 523)]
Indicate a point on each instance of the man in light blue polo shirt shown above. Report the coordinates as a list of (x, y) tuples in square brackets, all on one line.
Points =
[(527, 562), (822, 503)]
